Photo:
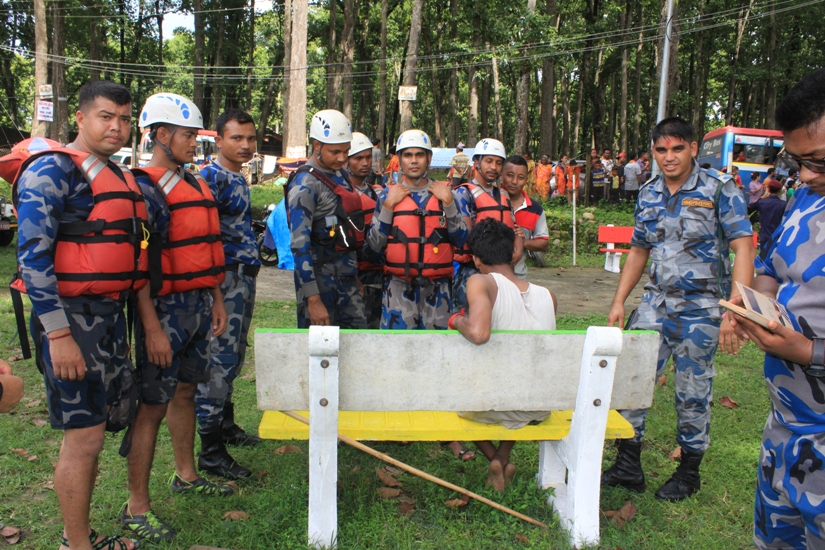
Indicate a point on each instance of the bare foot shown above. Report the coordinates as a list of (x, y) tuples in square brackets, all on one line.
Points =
[(509, 473), (496, 475), (460, 451)]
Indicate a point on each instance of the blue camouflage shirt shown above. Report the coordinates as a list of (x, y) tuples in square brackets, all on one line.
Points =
[(52, 190), (680, 230), (157, 213), (235, 208), (310, 200), (795, 259)]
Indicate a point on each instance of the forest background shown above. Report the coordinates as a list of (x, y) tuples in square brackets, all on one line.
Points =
[(544, 77)]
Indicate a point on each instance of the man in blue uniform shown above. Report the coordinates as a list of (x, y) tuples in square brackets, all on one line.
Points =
[(685, 221), (323, 231), (790, 493), (236, 142)]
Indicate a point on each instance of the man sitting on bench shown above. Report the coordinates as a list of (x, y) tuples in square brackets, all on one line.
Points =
[(498, 300)]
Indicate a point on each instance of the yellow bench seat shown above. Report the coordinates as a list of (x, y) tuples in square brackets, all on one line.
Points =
[(432, 426)]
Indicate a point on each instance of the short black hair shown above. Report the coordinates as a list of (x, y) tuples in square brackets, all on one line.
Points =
[(792, 172), (518, 160), (804, 104), (117, 93), (241, 117), (491, 241), (631, 156), (771, 170), (376, 141), (675, 127), (754, 175)]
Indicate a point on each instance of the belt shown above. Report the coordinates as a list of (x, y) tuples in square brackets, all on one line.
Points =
[(244, 269)]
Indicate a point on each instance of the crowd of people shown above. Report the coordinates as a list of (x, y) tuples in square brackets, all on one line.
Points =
[(416, 254)]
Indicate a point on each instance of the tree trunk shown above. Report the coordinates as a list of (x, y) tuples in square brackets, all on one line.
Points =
[(522, 98), (497, 101), (159, 19), (287, 34), (406, 107), (296, 138), (266, 106), (97, 37), (697, 85), (484, 107), (198, 59), (60, 127), (333, 71), (614, 105), (41, 63), (547, 124), (348, 54), (744, 14), (472, 86), (637, 89), (578, 119), (770, 83), (382, 78), (453, 98), (217, 88), (565, 123), (623, 129), (251, 55)]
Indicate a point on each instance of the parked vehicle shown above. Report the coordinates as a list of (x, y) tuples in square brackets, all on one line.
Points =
[(269, 256), (749, 149), (8, 222)]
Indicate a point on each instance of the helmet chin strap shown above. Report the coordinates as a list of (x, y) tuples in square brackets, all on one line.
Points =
[(163, 147)]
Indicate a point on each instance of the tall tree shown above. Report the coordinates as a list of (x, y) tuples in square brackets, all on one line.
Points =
[(198, 69), (741, 23), (60, 127), (348, 54), (382, 77), (406, 107), (41, 64), (547, 132), (295, 136), (522, 97)]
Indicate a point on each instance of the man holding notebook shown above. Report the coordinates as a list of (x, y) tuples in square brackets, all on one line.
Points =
[(790, 495), (679, 218)]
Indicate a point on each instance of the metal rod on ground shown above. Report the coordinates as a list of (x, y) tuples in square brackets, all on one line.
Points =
[(425, 475)]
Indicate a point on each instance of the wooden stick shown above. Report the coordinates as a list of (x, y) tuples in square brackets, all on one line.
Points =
[(425, 475)]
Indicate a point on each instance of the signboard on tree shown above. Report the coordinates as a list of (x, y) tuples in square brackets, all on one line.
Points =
[(45, 91), (45, 111), (407, 93)]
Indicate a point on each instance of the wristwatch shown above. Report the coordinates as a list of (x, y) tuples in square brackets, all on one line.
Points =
[(817, 366)]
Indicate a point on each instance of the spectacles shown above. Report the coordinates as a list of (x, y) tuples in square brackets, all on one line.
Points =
[(793, 161)]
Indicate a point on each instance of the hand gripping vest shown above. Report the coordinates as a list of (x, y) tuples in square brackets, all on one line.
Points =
[(418, 244), (496, 206), (368, 209), (106, 254), (192, 256)]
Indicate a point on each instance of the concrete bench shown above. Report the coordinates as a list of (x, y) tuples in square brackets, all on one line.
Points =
[(612, 235), (411, 374)]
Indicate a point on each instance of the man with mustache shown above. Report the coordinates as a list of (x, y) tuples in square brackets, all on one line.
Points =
[(685, 219)]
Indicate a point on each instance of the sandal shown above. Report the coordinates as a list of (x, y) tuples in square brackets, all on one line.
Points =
[(114, 542), (147, 526)]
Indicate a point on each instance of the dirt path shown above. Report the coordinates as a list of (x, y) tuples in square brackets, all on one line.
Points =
[(580, 290)]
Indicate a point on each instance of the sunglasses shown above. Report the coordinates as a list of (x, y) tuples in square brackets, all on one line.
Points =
[(793, 161)]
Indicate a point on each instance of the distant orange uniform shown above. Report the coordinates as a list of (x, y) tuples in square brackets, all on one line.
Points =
[(543, 174), (573, 174), (561, 179)]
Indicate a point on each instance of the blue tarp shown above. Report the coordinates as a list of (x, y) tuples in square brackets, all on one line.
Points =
[(277, 236)]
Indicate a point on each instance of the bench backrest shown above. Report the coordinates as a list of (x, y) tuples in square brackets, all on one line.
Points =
[(441, 370), (615, 234)]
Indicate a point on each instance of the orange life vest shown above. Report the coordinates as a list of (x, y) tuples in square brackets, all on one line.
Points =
[(192, 256), (496, 206), (106, 254), (418, 244), (367, 209)]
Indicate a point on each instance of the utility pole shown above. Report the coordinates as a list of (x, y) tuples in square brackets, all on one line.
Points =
[(295, 134), (41, 65), (663, 80)]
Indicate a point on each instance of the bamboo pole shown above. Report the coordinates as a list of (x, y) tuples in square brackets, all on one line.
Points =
[(424, 475)]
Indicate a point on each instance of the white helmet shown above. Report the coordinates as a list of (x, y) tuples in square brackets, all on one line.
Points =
[(413, 138), (359, 143), (170, 109), (330, 126), (489, 146)]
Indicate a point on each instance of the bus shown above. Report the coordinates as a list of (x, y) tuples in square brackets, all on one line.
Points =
[(749, 149), (206, 147)]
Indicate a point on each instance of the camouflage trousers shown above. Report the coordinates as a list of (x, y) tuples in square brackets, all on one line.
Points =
[(373, 284), (342, 298), (228, 350), (189, 330), (690, 337), (789, 511), (102, 342), (416, 307), (462, 274)]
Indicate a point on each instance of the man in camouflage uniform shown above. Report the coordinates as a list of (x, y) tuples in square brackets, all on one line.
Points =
[(326, 277), (370, 264), (236, 142), (789, 510), (172, 334), (417, 303), (678, 218), (81, 341)]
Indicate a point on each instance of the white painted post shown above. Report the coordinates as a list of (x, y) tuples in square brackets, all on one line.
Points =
[(323, 436), (612, 260), (577, 503)]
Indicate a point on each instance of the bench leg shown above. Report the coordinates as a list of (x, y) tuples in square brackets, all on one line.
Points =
[(323, 436), (577, 501), (612, 261)]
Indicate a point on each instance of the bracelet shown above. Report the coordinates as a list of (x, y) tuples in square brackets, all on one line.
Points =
[(816, 367), (59, 337), (453, 317)]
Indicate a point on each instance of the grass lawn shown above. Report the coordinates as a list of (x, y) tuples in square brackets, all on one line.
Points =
[(720, 516)]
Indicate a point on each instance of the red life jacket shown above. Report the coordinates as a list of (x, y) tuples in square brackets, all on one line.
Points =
[(368, 209), (106, 254), (418, 244), (192, 256), (496, 206)]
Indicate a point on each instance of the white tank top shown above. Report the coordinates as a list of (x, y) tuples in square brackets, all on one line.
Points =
[(516, 310)]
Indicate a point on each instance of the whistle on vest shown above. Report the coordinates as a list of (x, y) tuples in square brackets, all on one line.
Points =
[(144, 244)]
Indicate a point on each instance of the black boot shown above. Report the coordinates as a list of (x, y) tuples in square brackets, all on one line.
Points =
[(684, 481), (214, 457), (234, 434), (627, 470)]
